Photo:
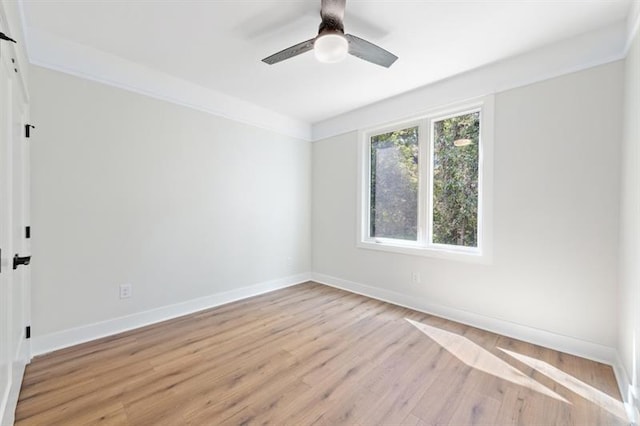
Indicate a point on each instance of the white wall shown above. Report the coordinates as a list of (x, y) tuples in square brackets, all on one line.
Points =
[(179, 203), (629, 278), (555, 215)]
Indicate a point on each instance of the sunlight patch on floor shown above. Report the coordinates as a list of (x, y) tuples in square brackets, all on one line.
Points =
[(479, 358), (575, 385)]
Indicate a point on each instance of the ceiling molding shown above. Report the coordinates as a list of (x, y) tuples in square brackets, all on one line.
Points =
[(591, 49), (56, 53), (571, 55)]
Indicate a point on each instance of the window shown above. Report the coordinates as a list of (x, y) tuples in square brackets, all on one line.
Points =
[(455, 145), (394, 185), (426, 184)]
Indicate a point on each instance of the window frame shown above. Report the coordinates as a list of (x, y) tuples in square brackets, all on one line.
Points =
[(424, 246), (403, 125)]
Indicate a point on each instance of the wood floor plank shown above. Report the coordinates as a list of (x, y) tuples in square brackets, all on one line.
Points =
[(312, 354)]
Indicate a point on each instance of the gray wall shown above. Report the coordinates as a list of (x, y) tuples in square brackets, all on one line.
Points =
[(629, 302), (179, 203), (555, 239)]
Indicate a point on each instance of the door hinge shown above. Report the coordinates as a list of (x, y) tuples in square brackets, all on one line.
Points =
[(21, 260), (27, 232), (27, 130), (28, 332)]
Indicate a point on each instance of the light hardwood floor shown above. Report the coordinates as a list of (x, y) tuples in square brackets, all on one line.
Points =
[(311, 354)]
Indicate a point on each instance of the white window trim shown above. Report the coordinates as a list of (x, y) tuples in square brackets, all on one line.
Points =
[(422, 247)]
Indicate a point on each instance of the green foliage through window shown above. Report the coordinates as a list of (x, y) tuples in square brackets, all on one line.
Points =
[(394, 192), (455, 180), (394, 185)]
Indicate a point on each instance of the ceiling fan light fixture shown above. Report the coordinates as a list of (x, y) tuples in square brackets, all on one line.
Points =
[(330, 48), (332, 44)]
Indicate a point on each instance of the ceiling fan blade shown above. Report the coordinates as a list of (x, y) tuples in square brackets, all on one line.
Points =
[(370, 52), (290, 52), (333, 9)]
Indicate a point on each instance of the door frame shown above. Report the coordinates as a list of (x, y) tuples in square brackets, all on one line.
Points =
[(15, 351)]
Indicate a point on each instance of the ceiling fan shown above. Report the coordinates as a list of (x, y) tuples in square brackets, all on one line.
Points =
[(332, 44)]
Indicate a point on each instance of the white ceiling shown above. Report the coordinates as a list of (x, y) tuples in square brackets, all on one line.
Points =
[(219, 44)]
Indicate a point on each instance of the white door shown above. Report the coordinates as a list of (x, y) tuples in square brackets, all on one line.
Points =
[(5, 223), (14, 205), (20, 220)]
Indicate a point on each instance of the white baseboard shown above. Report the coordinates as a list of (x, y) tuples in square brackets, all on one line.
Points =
[(65, 338), (626, 390), (536, 336), (567, 344), (8, 409)]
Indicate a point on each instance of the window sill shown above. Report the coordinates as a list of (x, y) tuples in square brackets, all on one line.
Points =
[(460, 255)]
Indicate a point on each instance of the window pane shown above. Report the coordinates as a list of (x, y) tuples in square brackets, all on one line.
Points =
[(455, 180), (394, 185)]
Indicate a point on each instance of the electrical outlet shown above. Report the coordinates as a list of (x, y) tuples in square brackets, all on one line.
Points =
[(415, 278), (125, 291)]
